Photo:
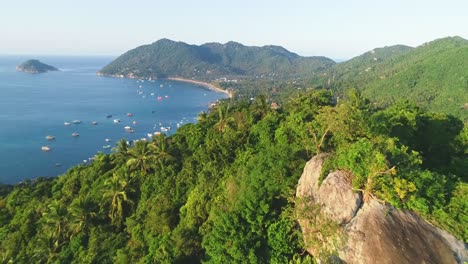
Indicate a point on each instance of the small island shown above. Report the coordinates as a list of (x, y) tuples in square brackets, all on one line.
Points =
[(35, 66)]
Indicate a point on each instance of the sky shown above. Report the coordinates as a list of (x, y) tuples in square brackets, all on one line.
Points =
[(337, 29)]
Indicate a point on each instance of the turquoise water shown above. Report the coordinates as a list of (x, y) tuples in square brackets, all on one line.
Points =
[(34, 106)]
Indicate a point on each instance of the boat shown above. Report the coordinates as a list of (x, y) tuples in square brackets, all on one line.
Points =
[(159, 98), (134, 122), (94, 123), (108, 116), (127, 128), (129, 114), (66, 123), (106, 147), (76, 122), (107, 139), (58, 165), (46, 148), (75, 134), (116, 121), (157, 133), (131, 131), (150, 135), (50, 137)]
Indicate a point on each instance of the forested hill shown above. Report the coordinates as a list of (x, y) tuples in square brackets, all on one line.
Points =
[(222, 190), (434, 75), (167, 58), (35, 66)]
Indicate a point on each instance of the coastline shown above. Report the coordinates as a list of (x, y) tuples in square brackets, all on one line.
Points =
[(204, 84)]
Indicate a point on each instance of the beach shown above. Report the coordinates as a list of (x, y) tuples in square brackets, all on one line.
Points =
[(207, 85)]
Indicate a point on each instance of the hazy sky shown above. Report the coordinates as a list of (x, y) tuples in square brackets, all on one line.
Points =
[(333, 28)]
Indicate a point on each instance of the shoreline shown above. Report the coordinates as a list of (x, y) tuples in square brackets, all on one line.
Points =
[(201, 83), (204, 84)]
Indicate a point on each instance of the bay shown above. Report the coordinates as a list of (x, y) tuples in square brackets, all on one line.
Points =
[(33, 106)]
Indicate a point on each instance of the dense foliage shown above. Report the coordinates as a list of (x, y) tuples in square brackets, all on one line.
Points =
[(221, 190), (432, 75), (167, 58)]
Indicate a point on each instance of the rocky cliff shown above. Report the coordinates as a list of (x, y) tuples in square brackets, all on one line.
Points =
[(339, 227)]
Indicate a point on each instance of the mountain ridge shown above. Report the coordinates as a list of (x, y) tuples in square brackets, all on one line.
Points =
[(168, 58)]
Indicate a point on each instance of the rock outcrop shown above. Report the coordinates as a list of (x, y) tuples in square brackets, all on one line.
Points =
[(369, 232)]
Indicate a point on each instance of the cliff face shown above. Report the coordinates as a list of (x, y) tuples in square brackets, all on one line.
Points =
[(337, 225)]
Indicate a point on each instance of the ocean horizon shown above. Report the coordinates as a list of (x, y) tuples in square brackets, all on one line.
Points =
[(34, 106)]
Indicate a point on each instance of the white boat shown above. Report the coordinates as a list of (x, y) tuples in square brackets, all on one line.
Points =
[(75, 134), (106, 147), (94, 123), (107, 139), (46, 148), (127, 128), (134, 122), (116, 121), (50, 137), (76, 122), (150, 135), (66, 123)]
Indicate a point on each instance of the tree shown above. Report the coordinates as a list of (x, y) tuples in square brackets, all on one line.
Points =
[(140, 157), (117, 188), (56, 221), (81, 210)]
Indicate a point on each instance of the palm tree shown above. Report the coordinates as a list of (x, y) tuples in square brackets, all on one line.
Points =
[(121, 151), (81, 211), (56, 221), (141, 156), (223, 117), (260, 106), (159, 148), (117, 188)]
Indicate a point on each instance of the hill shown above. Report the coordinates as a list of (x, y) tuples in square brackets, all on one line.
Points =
[(35, 66), (433, 75), (167, 58)]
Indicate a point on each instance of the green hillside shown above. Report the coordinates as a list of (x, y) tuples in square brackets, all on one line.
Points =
[(222, 190), (434, 75), (167, 58)]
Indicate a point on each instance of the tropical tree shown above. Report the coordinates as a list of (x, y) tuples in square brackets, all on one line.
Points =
[(140, 157), (159, 149), (117, 189), (223, 117), (81, 210), (55, 220), (121, 151)]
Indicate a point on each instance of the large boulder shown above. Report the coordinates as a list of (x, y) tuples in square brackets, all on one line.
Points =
[(370, 232)]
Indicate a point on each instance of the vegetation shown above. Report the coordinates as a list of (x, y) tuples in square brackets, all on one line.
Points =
[(222, 190), (211, 61), (432, 75), (35, 66)]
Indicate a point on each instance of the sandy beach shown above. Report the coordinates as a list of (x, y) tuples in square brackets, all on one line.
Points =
[(207, 85)]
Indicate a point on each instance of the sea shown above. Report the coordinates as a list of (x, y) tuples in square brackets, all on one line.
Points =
[(34, 106)]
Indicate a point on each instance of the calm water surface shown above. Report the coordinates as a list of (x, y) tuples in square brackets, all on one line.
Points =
[(34, 106)]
